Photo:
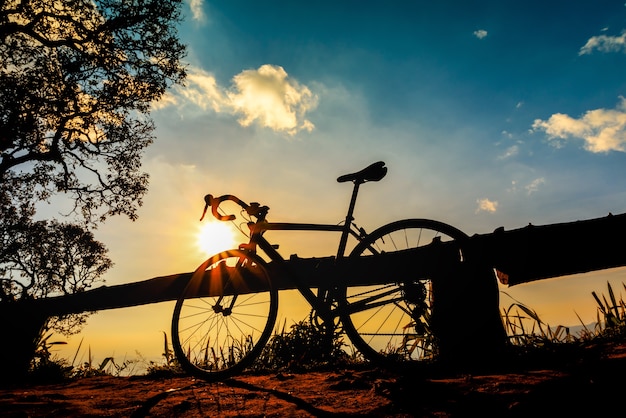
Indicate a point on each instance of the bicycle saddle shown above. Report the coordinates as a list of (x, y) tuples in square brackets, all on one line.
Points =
[(373, 172)]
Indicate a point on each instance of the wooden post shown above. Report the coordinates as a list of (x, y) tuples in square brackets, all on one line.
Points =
[(466, 317)]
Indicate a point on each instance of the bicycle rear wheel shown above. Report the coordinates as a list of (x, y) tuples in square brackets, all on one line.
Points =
[(392, 322), (225, 315)]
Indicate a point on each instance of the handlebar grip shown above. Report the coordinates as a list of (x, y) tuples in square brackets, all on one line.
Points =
[(214, 203)]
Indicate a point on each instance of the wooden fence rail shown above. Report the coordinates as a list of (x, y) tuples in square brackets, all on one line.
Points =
[(519, 256)]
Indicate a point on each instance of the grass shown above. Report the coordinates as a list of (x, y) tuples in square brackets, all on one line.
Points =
[(525, 328), (535, 343), (46, 367), (303, 347)]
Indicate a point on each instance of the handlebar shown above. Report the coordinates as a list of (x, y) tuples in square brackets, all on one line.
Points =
[(253, 209)]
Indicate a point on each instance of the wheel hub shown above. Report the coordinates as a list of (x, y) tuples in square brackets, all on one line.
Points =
[(218, 308)]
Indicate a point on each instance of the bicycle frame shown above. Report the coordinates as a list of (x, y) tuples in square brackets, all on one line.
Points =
[(319, 302)]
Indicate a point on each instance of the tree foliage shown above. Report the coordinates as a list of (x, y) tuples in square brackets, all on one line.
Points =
[(77, 79), (65, 255), (76, 82)]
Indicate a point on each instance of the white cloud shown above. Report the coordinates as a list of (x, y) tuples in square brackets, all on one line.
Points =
[(604, 43), (480, 33), (201, 90), (266, 96), (486, 205), (534, 185), (603, 130), (166, 101), (511, 151), (197, 10)]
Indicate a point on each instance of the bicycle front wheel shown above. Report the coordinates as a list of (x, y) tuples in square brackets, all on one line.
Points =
[(392, 322), (225, 315)]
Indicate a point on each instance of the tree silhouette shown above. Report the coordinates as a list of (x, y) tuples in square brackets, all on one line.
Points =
[(77, 80)]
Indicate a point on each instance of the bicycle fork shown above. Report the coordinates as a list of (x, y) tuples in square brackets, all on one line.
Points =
[(218, 308)]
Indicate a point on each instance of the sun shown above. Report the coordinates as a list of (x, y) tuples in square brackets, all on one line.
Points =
[(215, 236)]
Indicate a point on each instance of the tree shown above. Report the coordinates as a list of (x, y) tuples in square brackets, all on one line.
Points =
[(50, 258), (77, 80)]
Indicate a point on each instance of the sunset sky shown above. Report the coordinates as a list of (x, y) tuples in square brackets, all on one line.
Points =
[(487, 113)]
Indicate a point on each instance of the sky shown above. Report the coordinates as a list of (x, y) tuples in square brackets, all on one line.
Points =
[(486, 113)]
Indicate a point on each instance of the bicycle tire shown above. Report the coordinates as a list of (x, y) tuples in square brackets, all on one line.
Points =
[(216, 337), (396, 325)]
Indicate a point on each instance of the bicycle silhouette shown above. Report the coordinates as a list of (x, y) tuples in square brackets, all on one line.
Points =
[(227, 312)]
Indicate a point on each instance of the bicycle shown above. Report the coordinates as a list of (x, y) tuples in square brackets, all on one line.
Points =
[(227, 312)]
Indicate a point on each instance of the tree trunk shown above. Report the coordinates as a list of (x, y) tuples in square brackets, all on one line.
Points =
[(22, 330)]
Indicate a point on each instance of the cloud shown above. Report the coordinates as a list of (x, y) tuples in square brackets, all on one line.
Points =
[(511, 151), (201, 90), (486, 205), (604, 43), (603, 130), (480, 33), (197, 10), (266, 96), (534, 185)]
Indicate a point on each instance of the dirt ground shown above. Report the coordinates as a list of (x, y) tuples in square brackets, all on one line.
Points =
[(587, 383)]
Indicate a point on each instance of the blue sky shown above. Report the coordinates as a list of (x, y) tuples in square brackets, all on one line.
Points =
[(446, 94), (487, 114)]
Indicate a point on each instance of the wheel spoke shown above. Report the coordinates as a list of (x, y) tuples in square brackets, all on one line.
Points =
[(391, 322), (217, 337)]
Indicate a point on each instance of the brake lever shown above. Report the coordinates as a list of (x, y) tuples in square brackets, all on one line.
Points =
[(207, 199)]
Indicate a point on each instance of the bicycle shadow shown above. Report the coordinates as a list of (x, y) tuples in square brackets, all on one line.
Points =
[(298, 402)]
